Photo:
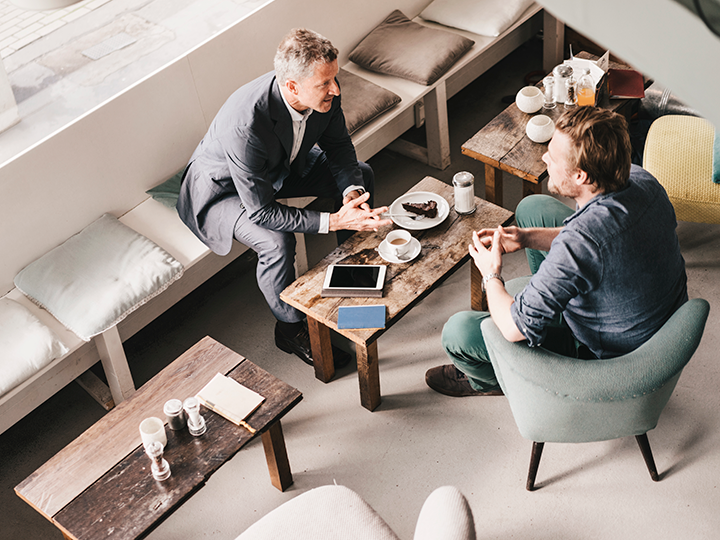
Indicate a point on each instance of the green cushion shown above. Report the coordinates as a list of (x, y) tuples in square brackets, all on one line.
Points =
[(96, 278), (167, 193), (406, 49)]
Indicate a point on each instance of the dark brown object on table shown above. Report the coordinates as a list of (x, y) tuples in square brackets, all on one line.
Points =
[(427, 209)]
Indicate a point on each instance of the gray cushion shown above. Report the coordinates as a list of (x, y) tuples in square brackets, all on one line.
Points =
[(168, 192), (96, 278), (26, 345), (362, 100), (406, 49)]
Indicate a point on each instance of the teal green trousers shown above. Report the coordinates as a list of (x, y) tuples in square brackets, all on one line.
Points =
[(462, 336)]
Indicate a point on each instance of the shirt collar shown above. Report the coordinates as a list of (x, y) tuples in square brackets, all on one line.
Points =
[(296, 116)]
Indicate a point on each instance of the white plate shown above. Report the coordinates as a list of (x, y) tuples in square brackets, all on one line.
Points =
[(387, 254), (419, 197)]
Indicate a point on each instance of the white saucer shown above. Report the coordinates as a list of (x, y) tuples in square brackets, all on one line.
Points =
[(385, 253)]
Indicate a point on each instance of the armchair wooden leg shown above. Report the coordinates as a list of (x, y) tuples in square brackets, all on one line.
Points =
[(644, 445), (534, 463)]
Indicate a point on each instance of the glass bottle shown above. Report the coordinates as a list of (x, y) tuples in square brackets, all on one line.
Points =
[(586, 89), (549, 92)]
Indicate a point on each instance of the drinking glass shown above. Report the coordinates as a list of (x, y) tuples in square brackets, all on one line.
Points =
[(549, 92)]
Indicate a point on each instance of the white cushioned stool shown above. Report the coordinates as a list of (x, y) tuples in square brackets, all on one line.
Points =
[(93, 280), (338, 513)]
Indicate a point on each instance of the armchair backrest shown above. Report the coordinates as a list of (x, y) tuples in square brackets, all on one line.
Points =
[(679, 153), (559, 399)]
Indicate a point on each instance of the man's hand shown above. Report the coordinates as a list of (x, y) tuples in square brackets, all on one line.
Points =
[(486, 252), (356, 215), (510, 239)]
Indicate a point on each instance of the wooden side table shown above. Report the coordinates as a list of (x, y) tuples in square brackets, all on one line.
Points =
[(503, 146), (100, 484)]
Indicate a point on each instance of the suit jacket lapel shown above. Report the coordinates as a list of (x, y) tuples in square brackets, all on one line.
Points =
[(283, 122)]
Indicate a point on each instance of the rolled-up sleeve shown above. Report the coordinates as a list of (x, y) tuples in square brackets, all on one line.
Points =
[(573, 267)]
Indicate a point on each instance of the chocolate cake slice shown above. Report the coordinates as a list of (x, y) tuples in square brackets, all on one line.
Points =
[(427, 209)]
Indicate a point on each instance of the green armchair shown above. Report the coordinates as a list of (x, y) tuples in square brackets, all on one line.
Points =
[(559, 399)]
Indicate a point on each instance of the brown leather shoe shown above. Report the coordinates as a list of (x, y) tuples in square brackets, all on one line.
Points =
[(450, 381)]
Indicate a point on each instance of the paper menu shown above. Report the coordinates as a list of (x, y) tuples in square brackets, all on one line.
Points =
[(229, 398), (580, 64)]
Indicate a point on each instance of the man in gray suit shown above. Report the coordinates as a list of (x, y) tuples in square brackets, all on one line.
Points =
[(281, 135)]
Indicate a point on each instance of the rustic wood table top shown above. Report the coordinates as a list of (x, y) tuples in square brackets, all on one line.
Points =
[(502, 143), (444, 248), (100, 484)]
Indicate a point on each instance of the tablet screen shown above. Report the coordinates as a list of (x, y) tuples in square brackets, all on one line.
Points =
[(355, 276)]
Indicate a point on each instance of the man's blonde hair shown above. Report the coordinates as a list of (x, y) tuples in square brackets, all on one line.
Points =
[(299, 52), (600, 146)]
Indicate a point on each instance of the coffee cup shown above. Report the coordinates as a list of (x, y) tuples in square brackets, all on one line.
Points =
[(398, 242), (153, 429)]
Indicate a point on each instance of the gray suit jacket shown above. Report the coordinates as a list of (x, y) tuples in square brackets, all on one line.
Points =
[(243, 160)]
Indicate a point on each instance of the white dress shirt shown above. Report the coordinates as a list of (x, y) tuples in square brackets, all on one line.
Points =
[(299, 120)]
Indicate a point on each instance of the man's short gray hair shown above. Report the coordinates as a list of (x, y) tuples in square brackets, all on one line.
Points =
[(298, 53)]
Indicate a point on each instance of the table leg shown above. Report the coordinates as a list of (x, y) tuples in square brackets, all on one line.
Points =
[(368, 375), (493, 185), (478, 299), (531, 188), (321, 350), (276, 456)]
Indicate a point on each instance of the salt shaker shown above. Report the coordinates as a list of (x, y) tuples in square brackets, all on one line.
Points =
[(464, 184), (195, 422), (160, 468), (561, 73), (175, 414)]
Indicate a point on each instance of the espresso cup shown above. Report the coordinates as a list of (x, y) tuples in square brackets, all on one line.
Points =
[(152, 429), (398, 242)]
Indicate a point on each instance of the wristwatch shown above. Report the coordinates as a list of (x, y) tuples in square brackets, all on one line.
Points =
[(487, 278)]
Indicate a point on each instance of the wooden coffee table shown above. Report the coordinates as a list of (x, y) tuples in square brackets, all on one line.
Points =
[(503, 145), (100, 485), (444, 250)]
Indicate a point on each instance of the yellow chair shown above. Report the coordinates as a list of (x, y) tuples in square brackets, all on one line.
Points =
[(679, 153)]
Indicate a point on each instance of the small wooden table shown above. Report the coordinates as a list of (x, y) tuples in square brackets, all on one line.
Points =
[(100, 485), (503, 145), (444, 250)]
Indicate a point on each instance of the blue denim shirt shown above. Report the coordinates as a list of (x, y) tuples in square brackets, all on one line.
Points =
[(614, 272)]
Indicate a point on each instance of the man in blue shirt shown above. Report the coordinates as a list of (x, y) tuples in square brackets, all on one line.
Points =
[(605, 277)]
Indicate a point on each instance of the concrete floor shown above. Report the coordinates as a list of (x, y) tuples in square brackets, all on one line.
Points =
[(416, 440)]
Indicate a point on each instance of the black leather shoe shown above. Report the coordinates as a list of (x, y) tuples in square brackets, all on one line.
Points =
[(300, 347)]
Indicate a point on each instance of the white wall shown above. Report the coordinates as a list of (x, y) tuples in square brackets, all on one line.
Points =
[(105, 160), (661, 38)]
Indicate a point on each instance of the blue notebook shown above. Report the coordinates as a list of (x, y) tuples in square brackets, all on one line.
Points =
[(353, 317)]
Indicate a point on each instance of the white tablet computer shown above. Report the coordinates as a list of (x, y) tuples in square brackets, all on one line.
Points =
[(354, 280)]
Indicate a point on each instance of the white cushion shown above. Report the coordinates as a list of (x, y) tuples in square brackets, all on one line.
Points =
[(96, 278), (482, 17), (323, 513), (26, 345)]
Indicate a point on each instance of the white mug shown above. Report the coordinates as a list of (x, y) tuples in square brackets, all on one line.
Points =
[(152, 429), (398, 242)]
